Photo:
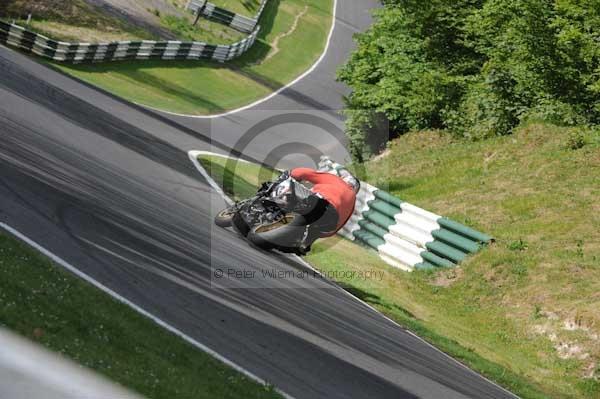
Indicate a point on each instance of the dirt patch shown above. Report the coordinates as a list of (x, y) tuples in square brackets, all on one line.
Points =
[(382, 155), (119, 19), (54, 10), (448, 277), (72, 33), (142, 14)]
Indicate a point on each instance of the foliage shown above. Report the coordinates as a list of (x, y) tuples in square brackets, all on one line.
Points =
[(576, 140), (478, 67)]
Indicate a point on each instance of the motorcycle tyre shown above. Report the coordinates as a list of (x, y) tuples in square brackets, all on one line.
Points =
[(225, 218)]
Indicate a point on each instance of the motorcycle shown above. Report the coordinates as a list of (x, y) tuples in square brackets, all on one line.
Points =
[(263, 219)]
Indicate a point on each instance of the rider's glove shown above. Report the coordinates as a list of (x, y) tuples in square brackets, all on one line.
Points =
[(283, 193), (306, 205)]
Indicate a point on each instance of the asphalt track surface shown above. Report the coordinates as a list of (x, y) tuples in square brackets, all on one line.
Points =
[(108, 187)]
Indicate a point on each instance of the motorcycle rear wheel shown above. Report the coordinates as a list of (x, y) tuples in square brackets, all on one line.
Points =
[(280, 234), (224, 218)]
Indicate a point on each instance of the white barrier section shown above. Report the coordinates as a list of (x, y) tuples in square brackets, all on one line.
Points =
[(28, 371), (404, 235)]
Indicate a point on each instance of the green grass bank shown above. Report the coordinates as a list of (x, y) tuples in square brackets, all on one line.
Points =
[(48, 305)]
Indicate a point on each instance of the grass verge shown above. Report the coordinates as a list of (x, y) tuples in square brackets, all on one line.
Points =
[(46, 304), (522, 312), (202, 87), (530, 302), (67, 32)]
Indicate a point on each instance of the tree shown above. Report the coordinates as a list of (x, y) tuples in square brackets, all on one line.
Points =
[(478, 67)]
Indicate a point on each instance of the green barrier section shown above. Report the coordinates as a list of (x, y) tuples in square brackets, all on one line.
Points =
[(464, 230), (384, 207), (425, 266), (379, 219), (387, 197), (368, 238), (445, 251), (455, 240), (451, 242), (435, 260), (372, 228)]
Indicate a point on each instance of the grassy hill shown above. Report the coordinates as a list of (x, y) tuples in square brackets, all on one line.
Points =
[(530, 302)]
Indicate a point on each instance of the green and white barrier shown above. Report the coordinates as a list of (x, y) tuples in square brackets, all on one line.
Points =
[(31, 42), (404, 235)]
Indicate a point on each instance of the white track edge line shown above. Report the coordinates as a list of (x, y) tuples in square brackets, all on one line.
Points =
[(270, 96), (56, 259), (194, 155)]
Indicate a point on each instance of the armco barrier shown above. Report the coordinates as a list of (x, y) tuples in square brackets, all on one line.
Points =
[(406, 236), (238, 22), (19, 37)]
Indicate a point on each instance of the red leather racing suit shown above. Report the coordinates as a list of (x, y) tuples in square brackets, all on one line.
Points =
[(332, 189)]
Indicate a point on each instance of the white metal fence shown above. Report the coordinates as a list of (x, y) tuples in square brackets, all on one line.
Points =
[(28, 371), (238, 22)]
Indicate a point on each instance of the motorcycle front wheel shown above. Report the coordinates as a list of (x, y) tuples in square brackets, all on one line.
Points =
[(225, 217)]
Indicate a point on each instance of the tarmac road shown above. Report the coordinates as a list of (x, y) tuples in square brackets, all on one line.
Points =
[(109, 188)]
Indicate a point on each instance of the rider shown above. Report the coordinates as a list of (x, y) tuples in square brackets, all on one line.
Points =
[(326, 207)]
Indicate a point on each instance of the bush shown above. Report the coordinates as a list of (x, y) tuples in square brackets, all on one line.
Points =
[(576, 140), (478, 67)]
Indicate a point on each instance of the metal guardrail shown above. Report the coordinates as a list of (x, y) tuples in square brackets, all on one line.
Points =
[(238, 22), (31, 42), (29, 371), (404, 235)]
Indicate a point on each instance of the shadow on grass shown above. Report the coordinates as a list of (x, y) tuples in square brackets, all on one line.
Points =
[(169, 87), (251, 5), (261, 47), (134, 71), (395, 186), (375, 300)]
